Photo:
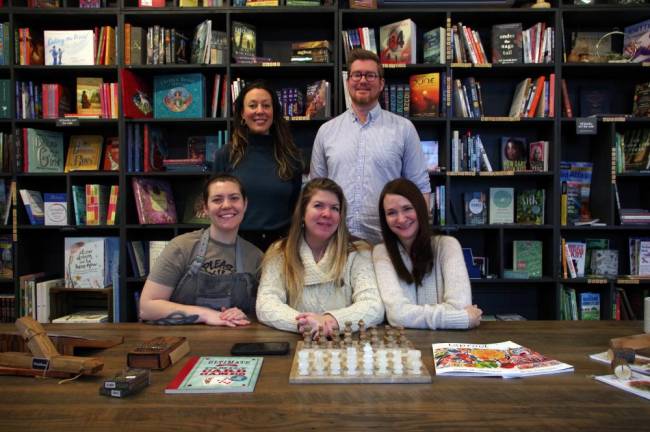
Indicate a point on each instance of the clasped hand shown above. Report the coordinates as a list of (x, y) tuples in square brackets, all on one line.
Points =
[(231, 317), (315, 321)]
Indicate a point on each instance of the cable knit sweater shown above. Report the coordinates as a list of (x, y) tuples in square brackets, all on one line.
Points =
[(440, 301), (357, 299)]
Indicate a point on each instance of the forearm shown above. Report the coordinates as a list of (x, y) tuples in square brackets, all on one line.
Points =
[(167, 312)]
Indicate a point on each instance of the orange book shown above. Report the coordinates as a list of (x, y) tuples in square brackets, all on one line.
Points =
[(566, 102), (112, 205), (425, 95), (92, 204), (127, 43), (539, 89), (551, 96)]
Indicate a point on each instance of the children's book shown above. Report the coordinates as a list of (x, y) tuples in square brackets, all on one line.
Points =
[(589, 306), (69, 47), (88, 261), (44, 151), (527, 256), (504, 359), (84, 153), (136, 95), (638, 384), (154, 200), (179, 96), (217, 375), (89, 101)]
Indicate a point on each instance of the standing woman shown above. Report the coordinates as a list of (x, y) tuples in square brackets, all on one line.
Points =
[(210, 275), (422, 278), (316, 277), (264, 157)]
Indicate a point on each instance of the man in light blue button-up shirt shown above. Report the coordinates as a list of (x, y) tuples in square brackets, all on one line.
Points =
[(366, 147)]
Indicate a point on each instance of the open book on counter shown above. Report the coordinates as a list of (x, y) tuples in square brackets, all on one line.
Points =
[(503, 359)]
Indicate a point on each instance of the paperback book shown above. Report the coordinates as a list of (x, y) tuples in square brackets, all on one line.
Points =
[(217, 375), (69, 47), (154, 201), (504, 359), (638, 384)]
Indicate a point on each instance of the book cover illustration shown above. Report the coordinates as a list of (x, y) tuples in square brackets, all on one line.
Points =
[(589, 306), (425, 95), (475, 208), (112, 155), (154, 201), (433, 48), (513, 154), (527, 257), (430, 150), (638, 384), (501, 205), (641, 102), (217, 375), (136, 95), (530, 206), (538, 155), (577, 176), (89, 101), (44, 151), (507, 44), (69, 47), (6, 257), (88, 261), (195, 211), (604, 262), (504, 359), (397, 42), (636, 42), (244, 40), (318, 96), (55, 208), (577, 253), (84, 153), (179, 96)]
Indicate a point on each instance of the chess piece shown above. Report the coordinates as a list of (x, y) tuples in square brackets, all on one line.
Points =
[(414, 362), (398, 367), (335, 362), (382, 362), (306, 337), (362, 330), (319, 362), (303, 362), (351, 360), (368, 359)]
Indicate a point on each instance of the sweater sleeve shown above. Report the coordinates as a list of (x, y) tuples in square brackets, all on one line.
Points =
[(271, 306), (401, 311), (366, 301), (456, 288)]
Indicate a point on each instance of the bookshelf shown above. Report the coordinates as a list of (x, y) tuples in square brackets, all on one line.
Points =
[(40, 248)]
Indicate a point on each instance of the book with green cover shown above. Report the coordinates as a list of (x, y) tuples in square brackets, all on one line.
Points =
[(501, 205), (44, 151), (216, 375), (527, 256), (530, 207)]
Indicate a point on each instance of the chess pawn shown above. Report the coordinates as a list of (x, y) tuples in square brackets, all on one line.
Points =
[(303, 362), (335, 362), (348, 327), (319, 362), (351, 360), (362, 330), (398, 367), (368, 359), (306, 337), (414, 362), (382, 362)]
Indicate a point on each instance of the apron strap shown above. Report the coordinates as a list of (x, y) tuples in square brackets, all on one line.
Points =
[(197, 262)]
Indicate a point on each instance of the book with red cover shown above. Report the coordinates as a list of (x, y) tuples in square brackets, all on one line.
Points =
[(154, 201), (397, 42), (425, 95), (111, 155), (136, 95)]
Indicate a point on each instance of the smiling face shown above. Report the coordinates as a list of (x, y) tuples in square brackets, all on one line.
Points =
[(225, 206), (322, 217), (401, 218), (257, 112), (364, 93)]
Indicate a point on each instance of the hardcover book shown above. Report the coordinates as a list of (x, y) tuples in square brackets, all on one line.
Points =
[(89, 101), (154, 201), (434, 46), (55, 208), (69, 47), (112, 155), (538, 155), (318, 97), (430, 150), (475, 208), (589, 306), (641, 103), (527, 256), (530, 206), (636, 42), (136, 95), (84, 153), (604, 262), (88, 261), (244, 40), (425, 95), (397, 42), (217, 375), (594, 101), (44, 151), (504, 359), (179, 96), (577, 176), (501, 205), (194, 212), (506, 44), (34, 206), (513, 154)]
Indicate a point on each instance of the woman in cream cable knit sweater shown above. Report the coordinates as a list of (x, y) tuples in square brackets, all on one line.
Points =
[(316, 277), (422, 278)]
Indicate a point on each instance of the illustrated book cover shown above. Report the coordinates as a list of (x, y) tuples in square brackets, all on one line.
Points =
[(527, 257), (603, 262), (88, 261), (89, 101), (244, 40), (475, 208), (530, 206), (636, 42), (425, 95), (154, 201), (434, 46), (136, 95), (397, 42), (501, 206), (217, 375), (44, 151), (504, 359), (179, 96), (55, 208), (84, 153), (69, 47), (514, 156)]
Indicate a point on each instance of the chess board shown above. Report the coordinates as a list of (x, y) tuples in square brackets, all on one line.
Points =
[(358, 378)]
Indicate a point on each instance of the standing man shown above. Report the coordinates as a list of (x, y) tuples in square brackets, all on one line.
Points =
[(366, 147)]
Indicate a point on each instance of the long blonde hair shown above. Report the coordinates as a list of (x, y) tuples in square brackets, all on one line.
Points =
[(289, 247)]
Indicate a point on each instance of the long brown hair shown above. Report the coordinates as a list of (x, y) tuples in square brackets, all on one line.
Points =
[(285, 151), (421, 253), (288, 248)]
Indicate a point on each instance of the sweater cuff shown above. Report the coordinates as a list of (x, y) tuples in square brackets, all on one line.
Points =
[(456, 319)]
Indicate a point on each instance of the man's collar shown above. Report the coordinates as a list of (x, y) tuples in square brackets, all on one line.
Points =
[(372, 114)]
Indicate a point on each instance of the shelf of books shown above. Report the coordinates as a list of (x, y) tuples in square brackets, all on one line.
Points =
[(535, 124)]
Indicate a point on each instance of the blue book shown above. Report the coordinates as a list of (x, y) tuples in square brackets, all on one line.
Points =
[(179, 96)]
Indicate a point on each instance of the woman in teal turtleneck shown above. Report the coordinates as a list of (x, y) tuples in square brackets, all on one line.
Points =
[(263, 155)]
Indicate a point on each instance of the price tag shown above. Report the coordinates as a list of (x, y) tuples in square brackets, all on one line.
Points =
[(67, 122), (586, 126)]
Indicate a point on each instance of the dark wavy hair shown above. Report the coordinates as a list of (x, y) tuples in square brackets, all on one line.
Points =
[(421, 253), (285, 151)]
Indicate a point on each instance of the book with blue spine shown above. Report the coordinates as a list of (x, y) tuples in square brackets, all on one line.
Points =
[(179, 96)]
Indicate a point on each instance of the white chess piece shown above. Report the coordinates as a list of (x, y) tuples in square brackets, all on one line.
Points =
[(382, 362), (368, 359), (351, 360), (335, 362), (319, 362), (303, 362), (414, 362), (398, 368)]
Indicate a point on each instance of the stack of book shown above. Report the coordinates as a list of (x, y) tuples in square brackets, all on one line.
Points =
[(311, 52)]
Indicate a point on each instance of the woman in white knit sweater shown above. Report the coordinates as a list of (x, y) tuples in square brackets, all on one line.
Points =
[(316, 277), (422, 278)]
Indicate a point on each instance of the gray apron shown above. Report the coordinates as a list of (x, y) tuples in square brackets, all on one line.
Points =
[(199, 288)]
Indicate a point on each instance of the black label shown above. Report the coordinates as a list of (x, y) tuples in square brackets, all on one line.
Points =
[(66, 122), (587, 126), (40, 363)]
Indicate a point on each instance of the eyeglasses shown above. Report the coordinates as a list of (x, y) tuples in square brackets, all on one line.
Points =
[(370, 76)]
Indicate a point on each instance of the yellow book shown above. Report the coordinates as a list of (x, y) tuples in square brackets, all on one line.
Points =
[(260, 3), (564, 204), (109, 58), (84, 153), (188, 3), (88, 96)]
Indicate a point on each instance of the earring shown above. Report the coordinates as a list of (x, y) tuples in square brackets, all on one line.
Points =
[(243, 122)]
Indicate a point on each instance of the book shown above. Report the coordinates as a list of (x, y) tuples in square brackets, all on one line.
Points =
[(513, 154), (593, 244), (604, 262), (594, 101), (538, 155), (636, 42), (84, 153), (530, 206), (430, 150), (527, 256), (194, 211), (179, 96), (475, 208), (43, 298), (83, 317), (44, 151), (501, 207), (434, 46), (158, 353), (589, 306), (425, 95), (136, 95), (577, 176), (397, 42), (637, 384), (154, 200), (69, 47), (641, 101), (111, 155), (510, 317), (504, 359), (55, 207), (507, 44), (577, 252), (216, 375), (6, 256), (244, 40), (89, 101), (88, 261), (34, 206), (155, 249), (318, 100)]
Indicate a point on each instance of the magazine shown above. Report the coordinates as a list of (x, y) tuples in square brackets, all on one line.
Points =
[(504, 359), (644, 369), (637, 384), (217, 375)]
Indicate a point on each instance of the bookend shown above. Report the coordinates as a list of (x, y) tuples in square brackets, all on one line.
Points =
[(44, 359)]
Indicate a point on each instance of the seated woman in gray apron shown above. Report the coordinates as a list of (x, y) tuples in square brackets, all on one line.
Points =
[(317, 278), (210, 275)]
